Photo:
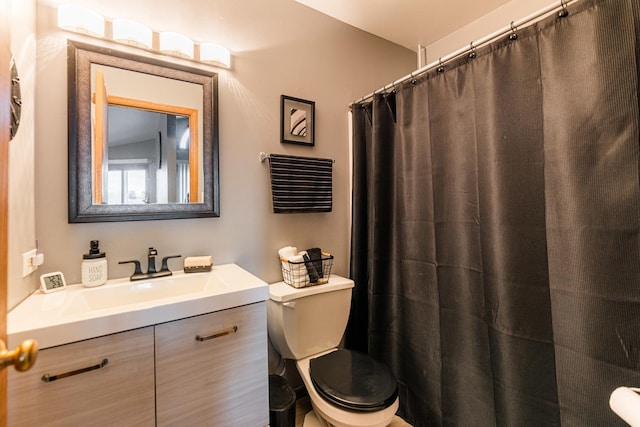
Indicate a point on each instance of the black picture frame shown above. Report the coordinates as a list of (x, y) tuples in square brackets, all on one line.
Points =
[(297, 121)]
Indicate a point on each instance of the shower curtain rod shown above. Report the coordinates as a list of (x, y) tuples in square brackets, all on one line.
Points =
[(512, 28)]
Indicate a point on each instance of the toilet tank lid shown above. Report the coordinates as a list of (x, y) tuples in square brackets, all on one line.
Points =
[(282, 292)]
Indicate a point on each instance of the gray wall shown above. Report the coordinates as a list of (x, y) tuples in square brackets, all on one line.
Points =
[(22, 226), (278, 47)]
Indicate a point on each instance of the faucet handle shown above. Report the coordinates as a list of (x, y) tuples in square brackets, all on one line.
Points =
[(138, 269), (165, 266)]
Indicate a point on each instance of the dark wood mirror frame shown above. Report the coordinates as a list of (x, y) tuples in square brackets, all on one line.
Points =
[(81, 207)]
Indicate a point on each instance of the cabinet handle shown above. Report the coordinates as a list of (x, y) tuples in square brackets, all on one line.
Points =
[(217, 334), (48, 378)]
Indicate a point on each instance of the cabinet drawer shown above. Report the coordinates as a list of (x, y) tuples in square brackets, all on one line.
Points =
[(219, 378), (118, 393)]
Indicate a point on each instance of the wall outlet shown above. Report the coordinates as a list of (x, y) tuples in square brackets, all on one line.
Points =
[(28, 262)]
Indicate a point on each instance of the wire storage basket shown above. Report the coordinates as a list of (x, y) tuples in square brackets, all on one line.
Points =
[(307, 273)]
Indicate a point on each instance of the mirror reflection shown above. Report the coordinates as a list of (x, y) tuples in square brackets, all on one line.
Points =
[(144, 150), (143, 138), (147, 159)]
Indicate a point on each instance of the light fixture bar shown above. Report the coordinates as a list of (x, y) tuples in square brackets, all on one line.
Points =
[(85, 21)]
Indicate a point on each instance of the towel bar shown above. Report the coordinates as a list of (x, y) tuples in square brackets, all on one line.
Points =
[(264, 156)]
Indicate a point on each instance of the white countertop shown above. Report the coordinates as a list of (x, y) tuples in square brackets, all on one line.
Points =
[(77, 313)]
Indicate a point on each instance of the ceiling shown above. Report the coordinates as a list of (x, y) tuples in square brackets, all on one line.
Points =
[(408, 23)]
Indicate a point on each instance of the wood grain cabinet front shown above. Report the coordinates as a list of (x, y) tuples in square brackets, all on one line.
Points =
[(102, 381), (212, 369), (207, 370)]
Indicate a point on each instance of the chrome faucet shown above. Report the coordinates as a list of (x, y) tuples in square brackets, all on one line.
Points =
[(151, 266)]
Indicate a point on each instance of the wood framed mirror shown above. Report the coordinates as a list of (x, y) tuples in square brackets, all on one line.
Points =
[(143, 138)]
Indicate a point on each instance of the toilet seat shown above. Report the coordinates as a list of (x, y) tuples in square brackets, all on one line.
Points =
[(354, 381), (338, 416)]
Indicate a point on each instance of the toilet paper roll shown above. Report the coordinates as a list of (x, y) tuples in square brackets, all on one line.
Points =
[(625, 402)]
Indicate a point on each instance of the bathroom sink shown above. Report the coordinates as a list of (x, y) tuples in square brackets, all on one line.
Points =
[(145, 292), (77, 313)]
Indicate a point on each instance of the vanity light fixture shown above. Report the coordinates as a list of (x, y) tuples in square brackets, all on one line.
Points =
[(85, 21), (176, 44), (215, 54), (80, 20), (133, 33)]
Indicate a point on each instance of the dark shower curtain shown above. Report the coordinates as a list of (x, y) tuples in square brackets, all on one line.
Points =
[(496, 227)]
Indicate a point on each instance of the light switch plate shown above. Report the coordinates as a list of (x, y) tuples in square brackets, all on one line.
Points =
[(27, 266)]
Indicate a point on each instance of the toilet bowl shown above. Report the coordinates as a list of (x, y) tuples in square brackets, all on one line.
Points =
[(346, 388)]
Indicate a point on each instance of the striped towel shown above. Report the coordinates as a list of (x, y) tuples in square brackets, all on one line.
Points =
[(300, 184)]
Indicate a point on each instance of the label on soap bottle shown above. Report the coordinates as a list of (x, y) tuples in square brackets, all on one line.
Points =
[(94, 272)]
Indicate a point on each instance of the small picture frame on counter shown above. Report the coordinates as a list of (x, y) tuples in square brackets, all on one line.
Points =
[(52, 282)]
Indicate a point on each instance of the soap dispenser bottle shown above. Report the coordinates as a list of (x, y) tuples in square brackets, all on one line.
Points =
[(94, 266)]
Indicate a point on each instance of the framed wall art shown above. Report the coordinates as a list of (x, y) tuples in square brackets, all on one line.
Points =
[(297, 117)]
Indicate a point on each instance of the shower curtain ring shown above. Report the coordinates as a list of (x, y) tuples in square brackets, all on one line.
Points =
[(564, 12), (389, 89), (386, 92), (440, 68), (513, 35), (413, 78), (472, 54)]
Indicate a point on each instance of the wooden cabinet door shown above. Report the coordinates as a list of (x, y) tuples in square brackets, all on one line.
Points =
[(220, 380), (120, 393)]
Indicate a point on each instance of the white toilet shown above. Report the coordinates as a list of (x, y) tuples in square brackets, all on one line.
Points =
[(346, 388)]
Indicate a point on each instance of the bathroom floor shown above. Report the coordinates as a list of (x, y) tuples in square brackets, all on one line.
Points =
[(303, 406)]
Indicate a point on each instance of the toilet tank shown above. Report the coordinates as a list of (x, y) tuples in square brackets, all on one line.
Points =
[(306, 321)]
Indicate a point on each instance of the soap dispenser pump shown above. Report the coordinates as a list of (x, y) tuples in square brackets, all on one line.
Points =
[(94, 266)]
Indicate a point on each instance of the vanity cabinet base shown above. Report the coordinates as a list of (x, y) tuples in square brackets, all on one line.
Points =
[(102, 381), (212, 369), (206, 370)]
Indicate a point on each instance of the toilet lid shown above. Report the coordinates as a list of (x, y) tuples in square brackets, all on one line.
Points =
[(353, 380)]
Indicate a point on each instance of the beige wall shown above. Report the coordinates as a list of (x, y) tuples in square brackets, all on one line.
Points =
[(22, 232), (279, 47), (500, 18)]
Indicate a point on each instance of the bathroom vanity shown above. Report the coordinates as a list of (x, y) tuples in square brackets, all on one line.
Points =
[(190, 349)]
